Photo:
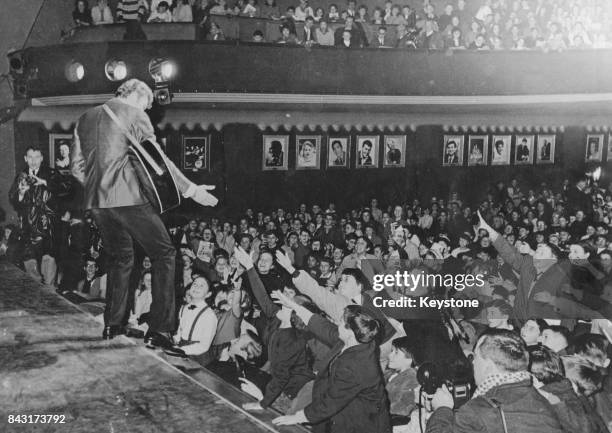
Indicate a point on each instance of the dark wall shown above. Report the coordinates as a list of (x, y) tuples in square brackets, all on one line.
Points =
[(236, 161), (219, 67)]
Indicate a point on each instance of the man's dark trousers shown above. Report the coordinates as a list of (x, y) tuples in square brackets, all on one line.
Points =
[(118, 226)]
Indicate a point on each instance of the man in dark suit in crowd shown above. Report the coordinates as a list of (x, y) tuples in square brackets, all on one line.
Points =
[(381, 39), (100, 161), (35, 195), (505, 399)]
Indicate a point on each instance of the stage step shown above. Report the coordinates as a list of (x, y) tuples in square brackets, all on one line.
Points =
[(53, 362)]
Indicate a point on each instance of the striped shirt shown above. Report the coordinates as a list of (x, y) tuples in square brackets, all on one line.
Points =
[(128, 9)]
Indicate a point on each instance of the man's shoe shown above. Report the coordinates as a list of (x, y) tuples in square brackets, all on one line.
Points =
[(112, 331), (161, 340)]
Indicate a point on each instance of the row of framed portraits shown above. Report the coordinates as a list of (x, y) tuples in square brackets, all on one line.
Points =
[(526, 147), (308, 154)]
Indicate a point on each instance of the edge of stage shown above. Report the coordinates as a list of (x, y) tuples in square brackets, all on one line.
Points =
[(54, 362)]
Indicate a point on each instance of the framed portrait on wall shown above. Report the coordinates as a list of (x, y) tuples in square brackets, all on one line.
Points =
[(274, 152), (478, 148), (195, 152), (307, 152), (394, 151), (338, 152), (367, 151), (609, 154), (523, 153), (452, 155), (546, 149), (594, 148), (500, 149), (59, 152)]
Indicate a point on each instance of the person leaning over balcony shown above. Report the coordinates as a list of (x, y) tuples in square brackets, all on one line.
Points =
[(101, 13), (215, 33)]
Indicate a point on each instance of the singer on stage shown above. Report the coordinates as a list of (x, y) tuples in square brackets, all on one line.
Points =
[(123, 213)]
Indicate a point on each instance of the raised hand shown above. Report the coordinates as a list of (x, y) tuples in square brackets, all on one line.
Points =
[(283, 299), (243, 258), (284, 261)]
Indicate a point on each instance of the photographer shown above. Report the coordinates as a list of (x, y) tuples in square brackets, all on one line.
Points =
[(34, 195), (505, 399)]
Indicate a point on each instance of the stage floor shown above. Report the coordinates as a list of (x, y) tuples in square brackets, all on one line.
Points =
[(53, 362)]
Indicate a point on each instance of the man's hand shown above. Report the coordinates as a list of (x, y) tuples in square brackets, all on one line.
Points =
[(203, 197), (442, 398), (243, 258), (252, 406), (284, 261), (283, 299), (298, 418), (39, 181), (251, 389)]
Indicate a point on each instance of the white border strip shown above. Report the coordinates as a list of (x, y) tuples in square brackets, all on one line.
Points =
[(281, 98)]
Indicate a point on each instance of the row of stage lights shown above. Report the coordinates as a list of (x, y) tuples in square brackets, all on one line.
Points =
[(161, 70)]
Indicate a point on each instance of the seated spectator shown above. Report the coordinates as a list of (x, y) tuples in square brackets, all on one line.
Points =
[(285, 339), (183, 13), (531, 332), (288, 20), (362, 15), (215, 33), (101, 13), (258, 36), (395, 18), (319, 15), (93, 286), (401, 377), (341, 398), (548, 376), (556, 338), (324, 35), (287, 37), (503, 386), (455, 41), (81, 15), (162, 14), (377, 17), (220, 9), (138, 320), (309, 38), (251, 10), (381, 39), (333, 14), (197, 324), (302, 11), (430, 38), (131, 10), (270, 10)]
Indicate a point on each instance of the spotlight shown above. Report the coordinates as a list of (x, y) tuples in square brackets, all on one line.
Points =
[(74, 71), (16, 62), (162, 95), (161, 70), (115, 70)]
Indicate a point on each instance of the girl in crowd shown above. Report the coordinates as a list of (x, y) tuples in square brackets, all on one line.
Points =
[(142, 304)]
